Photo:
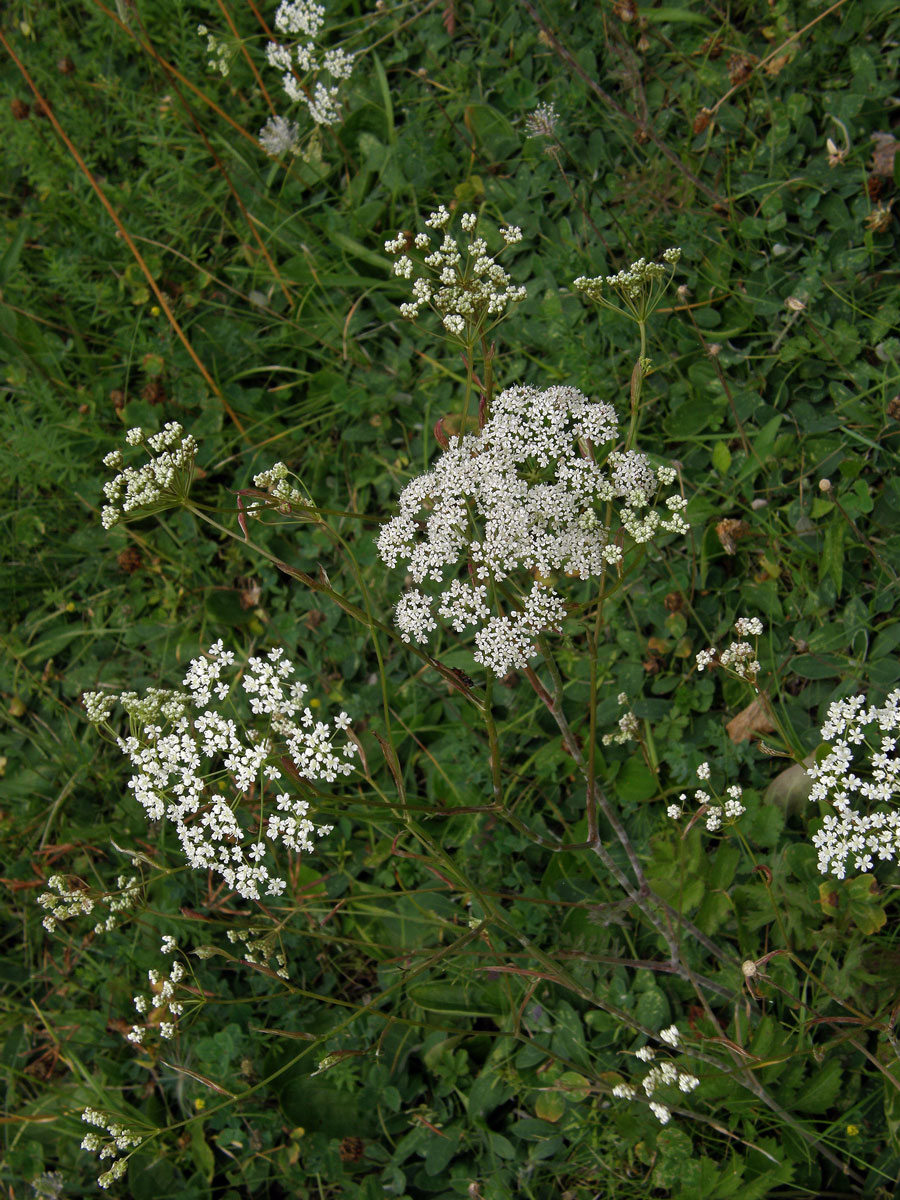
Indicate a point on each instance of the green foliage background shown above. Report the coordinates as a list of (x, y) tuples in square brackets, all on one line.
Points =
[(467, 1059)]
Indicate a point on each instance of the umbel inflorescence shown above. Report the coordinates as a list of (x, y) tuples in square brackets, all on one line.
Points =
[(310, 73), (162, 482), (664, 1075), (539, 490), (463, 282), (861, 770), (639, 286), (231, 792)]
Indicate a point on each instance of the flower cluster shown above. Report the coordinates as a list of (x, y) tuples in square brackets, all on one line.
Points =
[(161, 1005), (740, 657), (275, 481), (278, 136), (665, 1074), (639, 287), (542, 121), (194, 766), (465, 286), (629, 726), (65, 902), (526, 494), (163, 482), (119, 1138), (220, 54), (309, 74), (713, 808), (861, 765), (260, 947)]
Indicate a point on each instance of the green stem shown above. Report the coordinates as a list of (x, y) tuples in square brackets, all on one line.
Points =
[(487, 353), (493, 739), (352, 610), (637, 382)]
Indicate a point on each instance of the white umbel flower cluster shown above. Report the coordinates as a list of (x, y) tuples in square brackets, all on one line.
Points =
[(65, 902), (162, 1004), (118, 1138), (163, 482), (464, 284), (664, 1074), (740, 657), (716, 809), (862, 765), (309, 73), (222, 786), (275, 481), (525, 495), (278, 136), (629, 726), (634, 281)]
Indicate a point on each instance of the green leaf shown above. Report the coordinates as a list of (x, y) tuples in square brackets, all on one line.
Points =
[(831, 564), (652, 1009), (202, 1152), (441, 1149), (721, 457), (635, 781), (818, 1094), (488, 1092), (550, 1106), (10, 259)]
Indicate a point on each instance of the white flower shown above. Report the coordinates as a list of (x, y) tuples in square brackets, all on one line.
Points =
[(323, 106), (748, 626), (184, 745), (413, 617), (338, 64), (624, 1091), (860, 777), (510, 503), (438, 219), (738, 657), (163, 482), (466, 286), (299, 16), (670, 1036), (278, 136), (542, 121)]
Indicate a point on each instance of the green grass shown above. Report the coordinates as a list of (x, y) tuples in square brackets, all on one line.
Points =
[(462, 997)]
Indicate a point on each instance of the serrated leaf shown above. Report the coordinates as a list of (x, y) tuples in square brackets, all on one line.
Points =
[(819, 1093)]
